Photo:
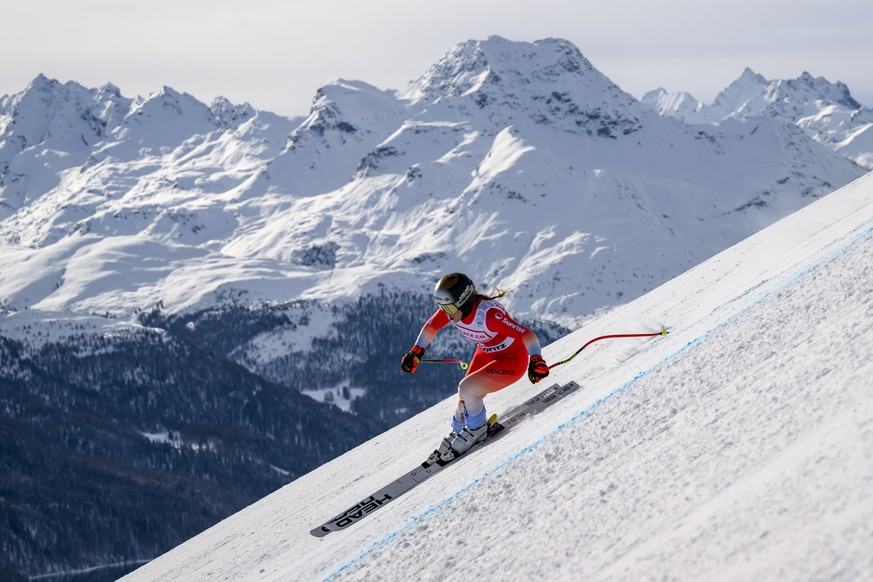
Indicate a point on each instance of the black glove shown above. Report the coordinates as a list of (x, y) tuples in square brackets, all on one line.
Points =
[(537, 369), (411, 359)]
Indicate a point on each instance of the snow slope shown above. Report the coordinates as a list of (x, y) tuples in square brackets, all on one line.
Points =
[(740, 445)]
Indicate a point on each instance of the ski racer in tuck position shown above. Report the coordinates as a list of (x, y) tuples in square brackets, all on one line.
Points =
[(505, 351)]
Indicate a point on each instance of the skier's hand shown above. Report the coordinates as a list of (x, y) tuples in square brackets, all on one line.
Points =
[(411, 359), (537, 369)]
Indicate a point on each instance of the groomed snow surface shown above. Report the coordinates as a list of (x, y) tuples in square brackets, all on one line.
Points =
[(738, 447)]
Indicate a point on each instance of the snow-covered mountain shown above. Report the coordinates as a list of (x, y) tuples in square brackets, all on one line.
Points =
[(738, 447), (517, 162), (825, 111)]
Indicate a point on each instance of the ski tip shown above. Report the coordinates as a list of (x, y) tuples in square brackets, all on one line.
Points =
[(320, 532), (664, 332)]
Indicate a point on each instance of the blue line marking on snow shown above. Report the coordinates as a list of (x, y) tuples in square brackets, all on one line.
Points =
[(840, 249)]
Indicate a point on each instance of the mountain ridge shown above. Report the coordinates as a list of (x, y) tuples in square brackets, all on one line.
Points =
[(228, 195), (826, 111)]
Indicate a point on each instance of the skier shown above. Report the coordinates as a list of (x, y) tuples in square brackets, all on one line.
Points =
[(505, 350)]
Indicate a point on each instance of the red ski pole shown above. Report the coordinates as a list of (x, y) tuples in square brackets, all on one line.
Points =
[(603, 337)]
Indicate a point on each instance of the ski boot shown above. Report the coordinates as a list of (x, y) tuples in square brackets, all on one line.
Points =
[(445, 445), (463, 441)]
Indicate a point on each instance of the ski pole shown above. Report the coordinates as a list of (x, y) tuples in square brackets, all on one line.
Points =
[(603, 337), (464, 365)]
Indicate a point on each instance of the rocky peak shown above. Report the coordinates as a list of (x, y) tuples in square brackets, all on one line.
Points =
[(679, 104), (548, 82), (226, 115), (808, 89)]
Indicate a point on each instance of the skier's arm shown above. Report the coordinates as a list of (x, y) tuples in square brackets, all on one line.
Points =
[(436, 322), (410, 361)]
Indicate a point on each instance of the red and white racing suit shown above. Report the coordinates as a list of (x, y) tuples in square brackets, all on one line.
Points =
[(503, 349)]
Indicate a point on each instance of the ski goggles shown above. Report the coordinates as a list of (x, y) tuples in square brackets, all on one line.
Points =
[(448, 308)]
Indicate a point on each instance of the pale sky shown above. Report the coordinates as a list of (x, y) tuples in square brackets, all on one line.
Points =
[(274, 54)]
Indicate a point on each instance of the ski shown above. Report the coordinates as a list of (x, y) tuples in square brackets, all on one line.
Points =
[(419, 474)]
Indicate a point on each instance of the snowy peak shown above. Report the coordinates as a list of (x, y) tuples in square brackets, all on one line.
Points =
[(348, 120), (226, 115), (826, 111), (61, 115), (48, 128), (471, 65), (548, 82), (806, 90), (750, 78), (743, 96), (679, 105), (752, 95), (348, 107), (126, 152), (737, 97), (113, 106), (164, 119), (789, 98)]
